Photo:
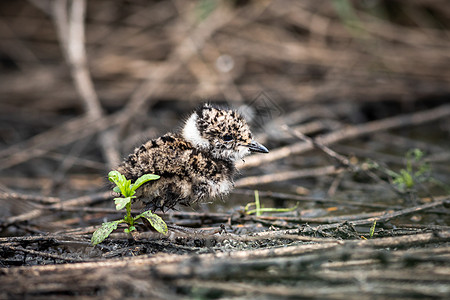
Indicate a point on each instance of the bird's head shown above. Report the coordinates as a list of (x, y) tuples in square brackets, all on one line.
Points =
[(222, 132)]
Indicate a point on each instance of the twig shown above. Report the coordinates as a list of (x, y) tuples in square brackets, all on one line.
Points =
[(344, 161), (390, 215), (287, 175), (292, 197), (32, 198), (335, 184), (45, 254), (413, 119), (68, 161), (70, 27), (39, 212)]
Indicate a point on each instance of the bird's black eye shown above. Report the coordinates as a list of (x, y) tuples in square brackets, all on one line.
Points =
[(227, 138)]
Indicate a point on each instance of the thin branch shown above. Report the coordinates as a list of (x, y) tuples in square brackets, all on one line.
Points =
[(391, 215), (69, 22), (287, 175), (344, 161), (349, 132), (298, 198), (32, 198), (41, 211)]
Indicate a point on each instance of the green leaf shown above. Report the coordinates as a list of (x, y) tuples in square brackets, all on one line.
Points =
[(104, 231), (121, 202), (423, 170), (392, 174), (155, 221), (415, 154), (127, 189), (121, 182), (129, 229), (408, 179), (116, 177), (116, 189), (143, 179)]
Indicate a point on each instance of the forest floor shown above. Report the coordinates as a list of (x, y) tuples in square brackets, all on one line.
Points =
[(354, 229)]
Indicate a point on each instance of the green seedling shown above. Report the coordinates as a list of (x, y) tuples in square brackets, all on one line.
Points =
[(259, 209), (409, 179), (416, 171), (128, 191), (371, 231)]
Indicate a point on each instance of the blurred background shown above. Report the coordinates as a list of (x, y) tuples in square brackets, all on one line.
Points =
[(84, 82)]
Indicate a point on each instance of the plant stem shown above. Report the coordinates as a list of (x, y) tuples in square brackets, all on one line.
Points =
[(257, 204), (130, 220)]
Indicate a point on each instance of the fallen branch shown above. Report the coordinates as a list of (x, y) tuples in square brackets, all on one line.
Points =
[(288, 175), (83, 200)]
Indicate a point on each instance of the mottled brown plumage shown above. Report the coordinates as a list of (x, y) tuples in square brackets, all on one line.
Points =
[(195, 164)]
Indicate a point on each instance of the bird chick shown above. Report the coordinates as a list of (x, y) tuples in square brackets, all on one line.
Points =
[(195, 164)]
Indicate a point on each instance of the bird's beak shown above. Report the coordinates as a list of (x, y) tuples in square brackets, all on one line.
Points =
[(257, 147)]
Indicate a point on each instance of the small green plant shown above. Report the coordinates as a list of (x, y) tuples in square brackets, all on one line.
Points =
[(258, 210), (416, 171), (409, 179), (128, 191)]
